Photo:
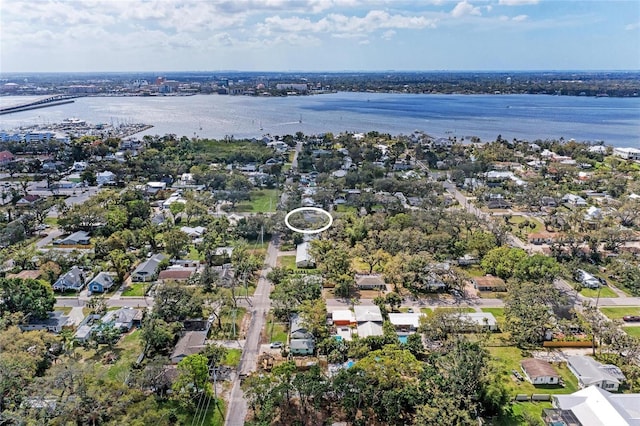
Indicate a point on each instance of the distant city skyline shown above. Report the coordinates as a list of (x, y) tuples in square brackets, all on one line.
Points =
[(318, 35)]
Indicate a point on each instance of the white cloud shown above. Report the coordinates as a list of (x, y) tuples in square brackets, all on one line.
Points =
[(388, 35), (465, 8), (632, 27), (338, 24), (520, 18), (517, 2)]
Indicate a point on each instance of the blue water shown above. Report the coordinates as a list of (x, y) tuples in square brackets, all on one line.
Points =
[(616, 121), (403, 339)]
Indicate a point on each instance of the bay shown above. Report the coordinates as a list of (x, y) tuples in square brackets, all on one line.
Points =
[(616, 121)]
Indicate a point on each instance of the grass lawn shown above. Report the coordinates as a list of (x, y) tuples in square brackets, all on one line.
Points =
[(460, 309), (346, 209), (135, 290), (287, 262), (262, 201), (194, 254), (128, 349), (519, 411), (507, 358), (632, 331), (276, 331), (517, 220), (472, 271), (213, 417), (619, 312), (604, 292), (232, 359), (51, 221), (227, 330), (64, 309)]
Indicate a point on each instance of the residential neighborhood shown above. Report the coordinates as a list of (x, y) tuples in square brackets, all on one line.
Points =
[(178, 276)]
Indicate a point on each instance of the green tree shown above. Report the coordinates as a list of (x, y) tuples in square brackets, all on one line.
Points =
[(193, 378), (502, 261), (31, 297), (175, 241)]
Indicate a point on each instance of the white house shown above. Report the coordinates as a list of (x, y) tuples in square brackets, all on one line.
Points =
[(539, 372), (303, 257), (369, 319), (574, 200), (106, 177), (405, 321), (627, 153), (591, 372), (594, 406)]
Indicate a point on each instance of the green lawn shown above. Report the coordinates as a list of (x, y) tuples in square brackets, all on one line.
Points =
[(276, 331), (346, 209), (604, 292), (232, 359), (64, 309), (619, 312), (474, 271), (519, 411), (51, 221), (517, 220), (194, 254), (214, 415), (227, 331), (135, 290), (507, 358), (128, 349), (460, 309), (262, 201), (287, 262), (632, 331)]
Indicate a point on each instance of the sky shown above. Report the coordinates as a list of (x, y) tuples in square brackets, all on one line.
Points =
[(318, 35)]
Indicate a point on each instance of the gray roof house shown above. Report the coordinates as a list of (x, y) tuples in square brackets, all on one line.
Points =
[(101, 283), (74, 279), (370, 282), (591, 372), (147, 270), (79, 238), (303, 258), (301, 341), (123, 318), (192, 342), (53, 323)]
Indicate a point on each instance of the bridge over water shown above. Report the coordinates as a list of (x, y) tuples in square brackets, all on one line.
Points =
[(41, 102)]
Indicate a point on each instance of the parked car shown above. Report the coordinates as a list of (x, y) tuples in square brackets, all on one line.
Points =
[(631, 318), (275, 345)]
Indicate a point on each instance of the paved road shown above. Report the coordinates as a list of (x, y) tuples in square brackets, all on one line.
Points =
[(237, 409)]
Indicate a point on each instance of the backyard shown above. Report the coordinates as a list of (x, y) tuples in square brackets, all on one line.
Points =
[(262, 201)]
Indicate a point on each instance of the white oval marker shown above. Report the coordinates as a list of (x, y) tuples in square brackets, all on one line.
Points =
[(308, 231)]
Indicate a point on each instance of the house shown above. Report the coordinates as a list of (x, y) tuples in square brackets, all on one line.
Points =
[(369, 319), (301, 341), (192, 342), (101, 283), (153, 187), (73, 279), (574, 200), (594, 406), (105, 178), (587, 280), (539, 372), (627, 153), (79, 238), (53, 323), (405, 322), (303, 257), (484, 320), (176, 274), (193, 232), (489, 283), (187, 179), (591, 372), (593, 213), (370, 282), (543, 237), (343, 317), (301, 347), (147, 270), (498, 203), (28, 200), (79, 166), (124, 318), (222, 255), (6, 157)]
